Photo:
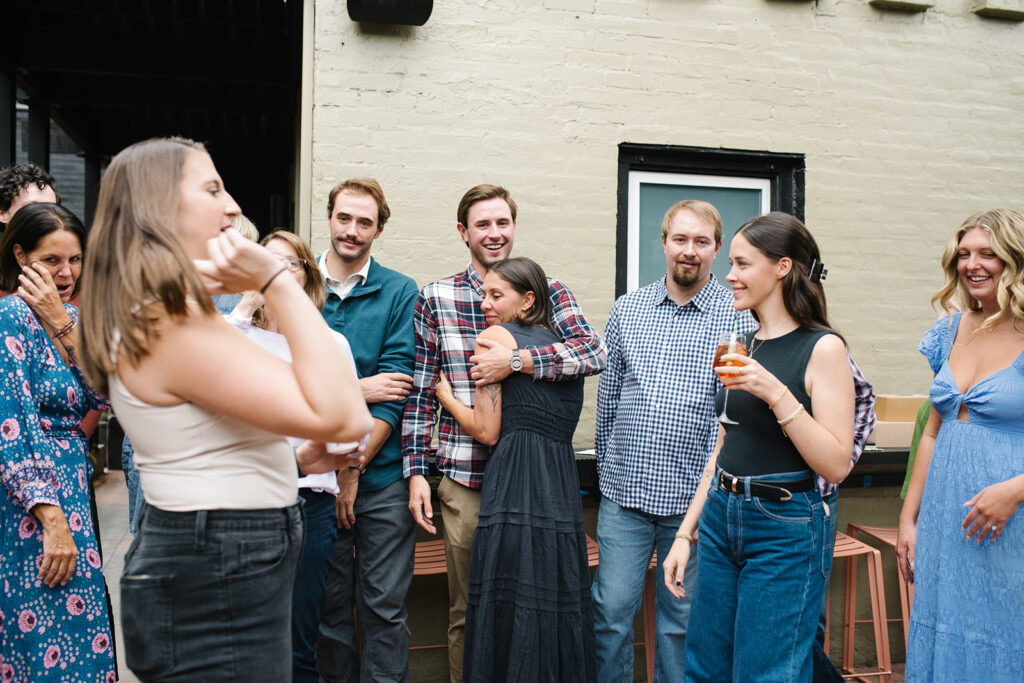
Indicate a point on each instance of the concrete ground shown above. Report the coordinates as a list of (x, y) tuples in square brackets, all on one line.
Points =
[(428, 596)]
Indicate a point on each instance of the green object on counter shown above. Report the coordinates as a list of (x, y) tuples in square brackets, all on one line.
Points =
[(919, 422)]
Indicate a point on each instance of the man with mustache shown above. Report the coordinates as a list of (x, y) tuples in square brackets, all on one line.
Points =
[(372, 306), (448, 319)]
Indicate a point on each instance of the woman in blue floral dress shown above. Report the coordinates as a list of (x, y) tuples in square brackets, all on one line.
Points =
[(53, 614)]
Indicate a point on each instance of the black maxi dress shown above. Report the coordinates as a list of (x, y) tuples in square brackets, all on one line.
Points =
[(529, 616)]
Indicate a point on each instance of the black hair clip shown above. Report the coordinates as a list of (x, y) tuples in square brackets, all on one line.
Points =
[(818, 271)]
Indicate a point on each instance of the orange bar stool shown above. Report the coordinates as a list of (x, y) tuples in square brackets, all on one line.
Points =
[(851, 549), (887, 535)]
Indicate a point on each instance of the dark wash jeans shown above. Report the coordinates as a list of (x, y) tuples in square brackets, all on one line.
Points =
[(311, 581), (376, 582), (206, 595)]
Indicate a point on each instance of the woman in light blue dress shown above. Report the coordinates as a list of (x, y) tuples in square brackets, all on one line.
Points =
[(961, 540)]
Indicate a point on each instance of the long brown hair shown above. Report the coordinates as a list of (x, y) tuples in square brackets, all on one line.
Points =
[(526, 275), (134, 257), (778, 235), (315, 288)]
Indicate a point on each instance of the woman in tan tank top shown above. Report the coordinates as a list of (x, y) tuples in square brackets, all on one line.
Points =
[(205, 593)]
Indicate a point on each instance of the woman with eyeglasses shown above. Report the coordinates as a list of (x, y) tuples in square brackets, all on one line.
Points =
[(318, 491)]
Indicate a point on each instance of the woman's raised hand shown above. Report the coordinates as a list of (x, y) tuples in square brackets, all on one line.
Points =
[(236, 264), (38, 290), (749, 375)]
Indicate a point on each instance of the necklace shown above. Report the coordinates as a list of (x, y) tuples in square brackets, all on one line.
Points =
[(754, 348)]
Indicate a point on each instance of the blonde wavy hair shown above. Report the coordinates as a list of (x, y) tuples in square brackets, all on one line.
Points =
[(134, 257), (315, 288), (1005, 229)]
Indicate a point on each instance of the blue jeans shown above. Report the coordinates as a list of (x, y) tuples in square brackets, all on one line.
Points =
[(202, 598), (376, 582), (761, 567), (311, 580), (626, 539), (131, 480), (824, 670)]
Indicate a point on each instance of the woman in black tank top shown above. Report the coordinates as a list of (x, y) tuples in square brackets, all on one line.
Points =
[(764, 547)]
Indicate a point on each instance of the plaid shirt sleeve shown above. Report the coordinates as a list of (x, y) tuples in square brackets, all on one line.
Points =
[(418, 418), (863, 420), (579, 353), (610, 388), (864, 410)]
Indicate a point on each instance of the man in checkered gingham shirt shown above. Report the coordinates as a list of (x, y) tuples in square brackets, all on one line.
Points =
[(656, 429), (447, 320)]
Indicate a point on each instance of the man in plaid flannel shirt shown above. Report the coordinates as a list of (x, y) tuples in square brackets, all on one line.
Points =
[(447, 320)]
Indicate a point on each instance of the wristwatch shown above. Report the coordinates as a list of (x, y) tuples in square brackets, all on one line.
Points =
[(515, 363)]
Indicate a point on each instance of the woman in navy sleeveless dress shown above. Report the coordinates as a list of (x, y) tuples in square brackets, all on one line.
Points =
[(529, 616), (961, 541)]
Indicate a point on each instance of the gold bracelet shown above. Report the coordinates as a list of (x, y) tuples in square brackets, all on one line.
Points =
[(786, 421), (685, 536), (771, 406)]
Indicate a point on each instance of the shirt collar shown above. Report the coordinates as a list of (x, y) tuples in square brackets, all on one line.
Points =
[(475, 279), (703, 301), (359, 275)]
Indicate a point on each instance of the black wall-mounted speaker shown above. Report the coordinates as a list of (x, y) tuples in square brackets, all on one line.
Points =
[(404, 12)]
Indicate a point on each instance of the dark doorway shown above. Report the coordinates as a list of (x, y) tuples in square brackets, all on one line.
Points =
[(111, 73)]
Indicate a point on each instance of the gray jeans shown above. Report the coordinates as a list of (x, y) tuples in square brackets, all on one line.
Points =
[(206, 595), (375, 581)]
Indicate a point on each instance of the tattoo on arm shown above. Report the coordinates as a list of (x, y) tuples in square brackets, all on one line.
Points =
[(493, 393)]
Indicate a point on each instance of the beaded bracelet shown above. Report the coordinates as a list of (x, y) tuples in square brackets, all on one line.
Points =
[(64, 330), (785, 421)]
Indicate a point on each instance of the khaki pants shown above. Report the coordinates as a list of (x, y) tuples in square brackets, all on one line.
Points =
[(460, 506)]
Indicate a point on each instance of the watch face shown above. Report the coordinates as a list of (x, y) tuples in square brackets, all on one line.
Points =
[(515, 362)]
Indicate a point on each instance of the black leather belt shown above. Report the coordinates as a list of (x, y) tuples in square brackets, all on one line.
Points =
[(779, 491)]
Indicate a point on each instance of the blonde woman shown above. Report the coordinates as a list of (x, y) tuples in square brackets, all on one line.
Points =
[(219, 536), (960, 537)]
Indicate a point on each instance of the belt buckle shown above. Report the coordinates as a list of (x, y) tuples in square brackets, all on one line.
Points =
[(733, 484), (786, 495)]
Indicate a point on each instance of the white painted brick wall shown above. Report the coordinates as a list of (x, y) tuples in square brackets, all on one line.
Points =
[(909, 122)]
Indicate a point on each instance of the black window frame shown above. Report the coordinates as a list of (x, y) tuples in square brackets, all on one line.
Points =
[(785, 171)]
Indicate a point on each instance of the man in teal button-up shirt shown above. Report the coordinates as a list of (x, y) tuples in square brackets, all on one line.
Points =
[(372, 306)]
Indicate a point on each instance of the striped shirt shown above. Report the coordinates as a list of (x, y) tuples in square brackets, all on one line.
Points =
[(656, 424), (447, 320)]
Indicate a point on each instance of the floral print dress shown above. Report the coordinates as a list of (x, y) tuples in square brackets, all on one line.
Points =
[(61, 633)]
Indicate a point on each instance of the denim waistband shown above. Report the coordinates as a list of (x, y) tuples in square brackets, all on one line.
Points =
[(800, 475), (225, 520)]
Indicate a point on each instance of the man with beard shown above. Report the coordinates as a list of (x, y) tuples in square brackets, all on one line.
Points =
[(656, 428), (655, 431), (448, 318), (372, 306)]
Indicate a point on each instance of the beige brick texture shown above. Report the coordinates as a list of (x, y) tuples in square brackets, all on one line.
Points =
[(909, 123)]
